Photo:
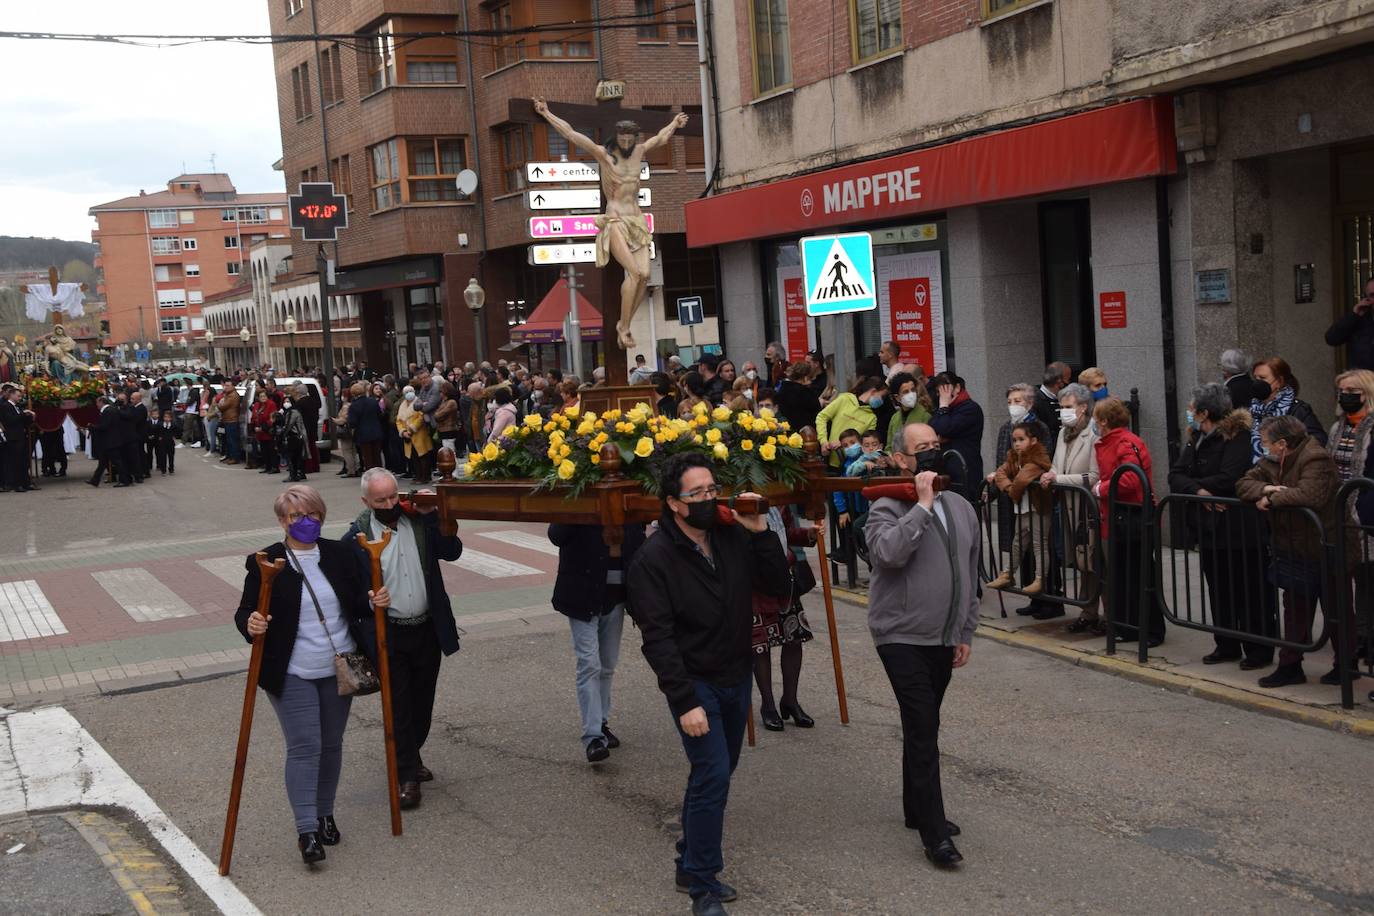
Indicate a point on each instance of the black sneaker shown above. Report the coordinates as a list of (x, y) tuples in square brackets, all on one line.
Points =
[(682, 883), (708, 905), (597, 751), (1284, 676), (612, 741), (1333, 677)]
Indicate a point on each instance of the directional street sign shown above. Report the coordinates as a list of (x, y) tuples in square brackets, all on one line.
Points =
[(569, 227), (839, 273), (571, 171), (574, 198), (571, 253), (143, 355), (318, 212), (689, 311)]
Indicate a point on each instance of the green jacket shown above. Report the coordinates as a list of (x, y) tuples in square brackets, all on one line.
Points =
[(845, 412), (901, 418)]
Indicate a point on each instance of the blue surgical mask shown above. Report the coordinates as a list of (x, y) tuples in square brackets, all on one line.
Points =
[(1100, 393), (852, 451), (876, 402), (1192, 421)]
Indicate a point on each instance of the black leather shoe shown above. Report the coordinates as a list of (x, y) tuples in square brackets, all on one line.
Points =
[(312, 850), (1049, 612), (423, 774), (944, 854), (1252, 664), (1219, 658), (1284, 676), (682, 883), (1026, 611), (612, 741), (597, 751), (950, 827), (329, 831), (410, 795), (770, 719), (798, 717), (708, 905), (1333, 677), (1154, 642)]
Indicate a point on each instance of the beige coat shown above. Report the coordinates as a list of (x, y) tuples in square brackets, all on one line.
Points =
[(1076, 461)]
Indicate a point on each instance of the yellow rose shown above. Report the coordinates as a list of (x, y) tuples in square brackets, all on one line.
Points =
[(765, 413), (720, 451), (713, 436), (785, 426), (468, 469), (564, 451), (696, 440), (569, 412), (702, 419), (474, 458), (534, 421), (586, 429), (747, 444), (600, 424), (768, 451), (669, 435), (795, 440), (595, 459), (553, 453), (589, 416), (699, 407), (566, 470), (548, 427), (720, 414), (637, 415), (491, 452), (644, 447)]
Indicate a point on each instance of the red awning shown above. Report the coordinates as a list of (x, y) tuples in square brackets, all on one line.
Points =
[(1117, 143), (546, 324)]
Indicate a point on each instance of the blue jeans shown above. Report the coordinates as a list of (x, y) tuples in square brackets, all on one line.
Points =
[(232, 448), (596, 643), (313, 717), (714, 757), (210, 427)]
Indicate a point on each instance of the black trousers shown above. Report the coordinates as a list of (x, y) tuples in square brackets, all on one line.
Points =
[(131, 462), (1241, 598), (414, 655), (167, 456), (919, 676), (103, 465), (17, 463), (54, 452), (1125, 585)]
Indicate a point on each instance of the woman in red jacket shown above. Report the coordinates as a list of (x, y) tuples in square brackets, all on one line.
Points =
[(1123, 525), (260, 420)]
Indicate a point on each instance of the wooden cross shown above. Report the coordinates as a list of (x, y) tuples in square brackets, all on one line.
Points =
[(52, 284)]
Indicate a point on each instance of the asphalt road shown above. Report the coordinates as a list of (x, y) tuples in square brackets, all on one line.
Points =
[(1076, 791)]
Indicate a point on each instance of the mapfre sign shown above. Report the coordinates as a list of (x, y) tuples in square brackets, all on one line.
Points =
[(1116, 143)]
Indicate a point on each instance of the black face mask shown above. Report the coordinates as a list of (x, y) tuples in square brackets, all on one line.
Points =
[(702, 515), (1350, 401), (389, 517), (930, 460)]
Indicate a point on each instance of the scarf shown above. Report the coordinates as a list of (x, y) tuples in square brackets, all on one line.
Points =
[(1260, 411)]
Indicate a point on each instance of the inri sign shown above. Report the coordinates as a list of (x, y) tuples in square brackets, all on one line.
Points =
[(872, 190)]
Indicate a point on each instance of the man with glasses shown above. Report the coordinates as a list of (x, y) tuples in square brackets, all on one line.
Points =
[(690, 591), (922, 611)]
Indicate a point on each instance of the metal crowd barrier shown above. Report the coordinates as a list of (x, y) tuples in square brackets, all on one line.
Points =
[(1355, 544)]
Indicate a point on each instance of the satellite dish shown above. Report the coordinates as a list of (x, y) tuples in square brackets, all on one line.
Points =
[(467, 181)]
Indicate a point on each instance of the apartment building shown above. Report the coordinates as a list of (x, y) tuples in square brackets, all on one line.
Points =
[(1132, 185), (161, 255), (394, 118)]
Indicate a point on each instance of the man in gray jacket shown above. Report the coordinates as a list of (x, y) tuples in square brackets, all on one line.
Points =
[(922, 611)]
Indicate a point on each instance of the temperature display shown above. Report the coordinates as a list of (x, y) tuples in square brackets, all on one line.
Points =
[(318, 212)]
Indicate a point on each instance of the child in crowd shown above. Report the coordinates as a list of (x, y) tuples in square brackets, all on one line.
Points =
[(871, 455), (165, 444), (1019, 477)]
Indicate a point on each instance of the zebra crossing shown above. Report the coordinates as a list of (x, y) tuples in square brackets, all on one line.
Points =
[(172, 590)]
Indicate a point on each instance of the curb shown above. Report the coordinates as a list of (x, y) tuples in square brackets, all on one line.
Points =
[(1334, 720)]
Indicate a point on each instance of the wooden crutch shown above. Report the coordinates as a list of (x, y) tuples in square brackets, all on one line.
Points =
[(830, 623), (266, 573), (374, 552), (750, 724)]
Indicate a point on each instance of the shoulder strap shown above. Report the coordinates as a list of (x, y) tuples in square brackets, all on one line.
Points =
[(313, 599)]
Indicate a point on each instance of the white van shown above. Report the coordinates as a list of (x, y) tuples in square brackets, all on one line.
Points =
[(324, 435)]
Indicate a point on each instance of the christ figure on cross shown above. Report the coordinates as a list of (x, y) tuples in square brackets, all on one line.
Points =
[(623, 232)]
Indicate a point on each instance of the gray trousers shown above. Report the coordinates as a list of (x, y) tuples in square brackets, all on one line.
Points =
[(313, 717)]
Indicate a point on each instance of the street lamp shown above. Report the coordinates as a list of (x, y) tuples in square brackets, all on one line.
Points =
[(209, 348), (244, 336), (476, 297), (291, 330)]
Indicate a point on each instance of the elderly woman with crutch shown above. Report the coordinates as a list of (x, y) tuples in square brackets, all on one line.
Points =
[(318, 614)]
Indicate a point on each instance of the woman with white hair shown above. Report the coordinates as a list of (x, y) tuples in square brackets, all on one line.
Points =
[(415, 437), (1075, 461)]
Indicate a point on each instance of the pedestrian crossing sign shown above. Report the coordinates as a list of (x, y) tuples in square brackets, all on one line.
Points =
[(839, 273)]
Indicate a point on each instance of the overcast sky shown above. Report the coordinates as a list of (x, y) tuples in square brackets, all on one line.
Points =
[(88, 122)]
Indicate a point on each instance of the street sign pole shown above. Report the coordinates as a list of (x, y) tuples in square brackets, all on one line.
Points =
[(326, 334), (574, 327)]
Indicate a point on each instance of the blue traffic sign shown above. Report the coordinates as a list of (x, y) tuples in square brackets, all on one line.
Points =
[(689, 310), (839, 273), (143, 355)]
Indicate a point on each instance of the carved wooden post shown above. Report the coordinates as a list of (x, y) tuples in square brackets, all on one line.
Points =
[(445, 463)]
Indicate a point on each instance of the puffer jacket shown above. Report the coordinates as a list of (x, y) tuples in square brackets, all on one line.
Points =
[(1022, 472), (1214, 463), (1115, 448), (1310, 480)]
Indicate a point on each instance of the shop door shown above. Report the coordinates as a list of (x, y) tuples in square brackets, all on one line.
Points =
[(1066, 283)]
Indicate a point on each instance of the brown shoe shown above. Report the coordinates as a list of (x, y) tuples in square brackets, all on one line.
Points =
[(1001, 581), (410, 795), (423, 774)]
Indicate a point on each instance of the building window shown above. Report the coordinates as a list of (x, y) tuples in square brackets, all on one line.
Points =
[(650, 26), (166, 244), (293, 7), (686, 26), (171, 298), (172, 325), (505, 51), (431, 71), (341, 174), (189, 244), (162, 273), (439, 160), (234, 267), (162, 219), (695, 147), (228, 216), (994, 8), (188, 216), (326, 78), (310, 175), (381, 63), (566, 48), (385, 175), (772, 47), (231, 241), (661, 158), (555, 148), (193, 270), (252, 215), (195, 297), (877, 27), (515, 152), (274, 214), (300, 91)]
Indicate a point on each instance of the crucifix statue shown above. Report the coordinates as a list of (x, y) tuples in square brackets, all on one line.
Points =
[(623, 232), (57, 298)]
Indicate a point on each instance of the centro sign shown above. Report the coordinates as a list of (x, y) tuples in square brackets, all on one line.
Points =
[(894, 187)]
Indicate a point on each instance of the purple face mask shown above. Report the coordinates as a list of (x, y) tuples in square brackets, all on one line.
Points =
[(305, 529)]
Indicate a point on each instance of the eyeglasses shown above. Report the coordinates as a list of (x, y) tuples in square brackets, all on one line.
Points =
[(297, 516), (700, 493)]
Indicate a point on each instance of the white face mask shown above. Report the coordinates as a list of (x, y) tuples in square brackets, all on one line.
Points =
[(909, 400), (1018, 412), (748, 394), (751, 375), (491, 405), (410, 395), (1068, 415)]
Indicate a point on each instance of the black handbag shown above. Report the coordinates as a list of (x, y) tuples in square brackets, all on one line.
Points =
[(803, 577), (353, 670)]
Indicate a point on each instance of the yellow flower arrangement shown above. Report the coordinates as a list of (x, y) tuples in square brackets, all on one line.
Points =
[(720, 451), (713, 436), (768, 451), (747, 444), (566, 470), (644, 447), (491, 452)]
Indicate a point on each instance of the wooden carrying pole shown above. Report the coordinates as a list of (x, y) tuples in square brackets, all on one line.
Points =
[(266, 573), (830, 624), (374, 552)]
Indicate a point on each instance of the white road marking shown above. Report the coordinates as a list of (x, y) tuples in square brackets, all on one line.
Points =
[(230, 569), (31, 544), (523, 539), (141, 595), (493, 567), (47, 760), (88, 544), (26, 613)]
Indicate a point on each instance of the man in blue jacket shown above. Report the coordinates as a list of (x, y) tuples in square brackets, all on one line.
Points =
[(419, 621), (1356, 331)]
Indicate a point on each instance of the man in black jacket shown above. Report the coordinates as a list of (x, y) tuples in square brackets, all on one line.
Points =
[(135, 417), (590, 592), (1046, 408), (691, 592), (106, 443), (1356, 331), (419, 619), (15, 421)]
